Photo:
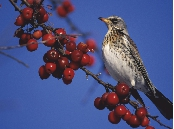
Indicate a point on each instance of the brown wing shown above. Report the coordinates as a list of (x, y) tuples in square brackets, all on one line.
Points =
[(139, 63)]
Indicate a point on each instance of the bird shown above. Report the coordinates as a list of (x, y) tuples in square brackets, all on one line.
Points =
[(123, 62)]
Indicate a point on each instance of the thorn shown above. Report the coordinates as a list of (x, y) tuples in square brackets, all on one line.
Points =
[(98, 74), (86, 77)]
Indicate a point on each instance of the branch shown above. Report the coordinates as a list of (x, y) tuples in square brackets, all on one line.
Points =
[(5, 54), (106, 85), (158, 121), (15, 6), (75, 28)]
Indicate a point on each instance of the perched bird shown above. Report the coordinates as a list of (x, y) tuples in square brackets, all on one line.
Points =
[(124, 64)]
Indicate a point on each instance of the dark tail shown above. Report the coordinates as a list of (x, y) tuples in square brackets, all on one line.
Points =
[(164, 105)]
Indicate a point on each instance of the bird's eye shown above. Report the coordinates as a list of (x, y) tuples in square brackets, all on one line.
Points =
[(114, 20)]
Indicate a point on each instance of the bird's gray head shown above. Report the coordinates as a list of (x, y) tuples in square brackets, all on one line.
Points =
[(115, 22)]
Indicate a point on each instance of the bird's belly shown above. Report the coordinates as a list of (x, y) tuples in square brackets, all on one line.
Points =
[(117, 65)]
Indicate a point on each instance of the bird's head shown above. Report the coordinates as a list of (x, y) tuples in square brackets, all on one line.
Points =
[(115, 22)]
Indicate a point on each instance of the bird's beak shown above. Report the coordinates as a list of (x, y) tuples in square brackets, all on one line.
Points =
[(104, 19)]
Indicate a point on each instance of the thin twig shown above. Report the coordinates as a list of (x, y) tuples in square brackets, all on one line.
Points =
[(40, 42), (75, 28), (106, 85), (5, 54), (26, 3), (158, 121), (15, 6)]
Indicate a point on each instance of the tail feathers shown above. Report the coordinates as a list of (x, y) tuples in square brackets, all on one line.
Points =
[(164, 105)]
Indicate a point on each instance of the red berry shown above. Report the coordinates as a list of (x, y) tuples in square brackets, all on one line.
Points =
[(71, 38), (27, 13), (63, 62), (92, 61), (71, 9), (127, 116), (37, 34), (52, 55), (32, 45), (49, 39), (50, 67), (82, 47), (20, 21), (145, 122), (74, 65), (25, 36), (68, 74), (66, 81), (120, 110), (91, 44), (63, 41), (112, 99), (42, 73), (30, 2), (67, 6), (43, 19), (122, 89), (149, 127), (85, 60), (70, 46), (113, 119), (37, 2), (67, 52), (99, 104), (61, 33), (19, 33), (45, 59), (57, 73), (41, 11), (104, 97), (141, 112), (61, 11), (133, 121), (76, 55)]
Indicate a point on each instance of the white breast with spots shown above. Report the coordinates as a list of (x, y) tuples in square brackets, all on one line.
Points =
[(119, 69)]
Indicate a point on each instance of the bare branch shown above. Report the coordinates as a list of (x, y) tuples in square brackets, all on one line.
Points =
[(158, 121), (5, 54), (15, 6), (106, 85)]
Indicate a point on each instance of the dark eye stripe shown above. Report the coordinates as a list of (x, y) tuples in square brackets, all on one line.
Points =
[(114, 20)]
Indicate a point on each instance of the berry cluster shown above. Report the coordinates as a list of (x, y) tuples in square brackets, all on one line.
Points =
[(63, 65), (34, 13), (64, 55), (115, 102), (65, 8)]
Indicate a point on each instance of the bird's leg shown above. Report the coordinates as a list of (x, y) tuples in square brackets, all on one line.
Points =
[(136, 95)]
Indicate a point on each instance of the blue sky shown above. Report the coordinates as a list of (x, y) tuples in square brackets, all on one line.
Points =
[(27, 102)]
